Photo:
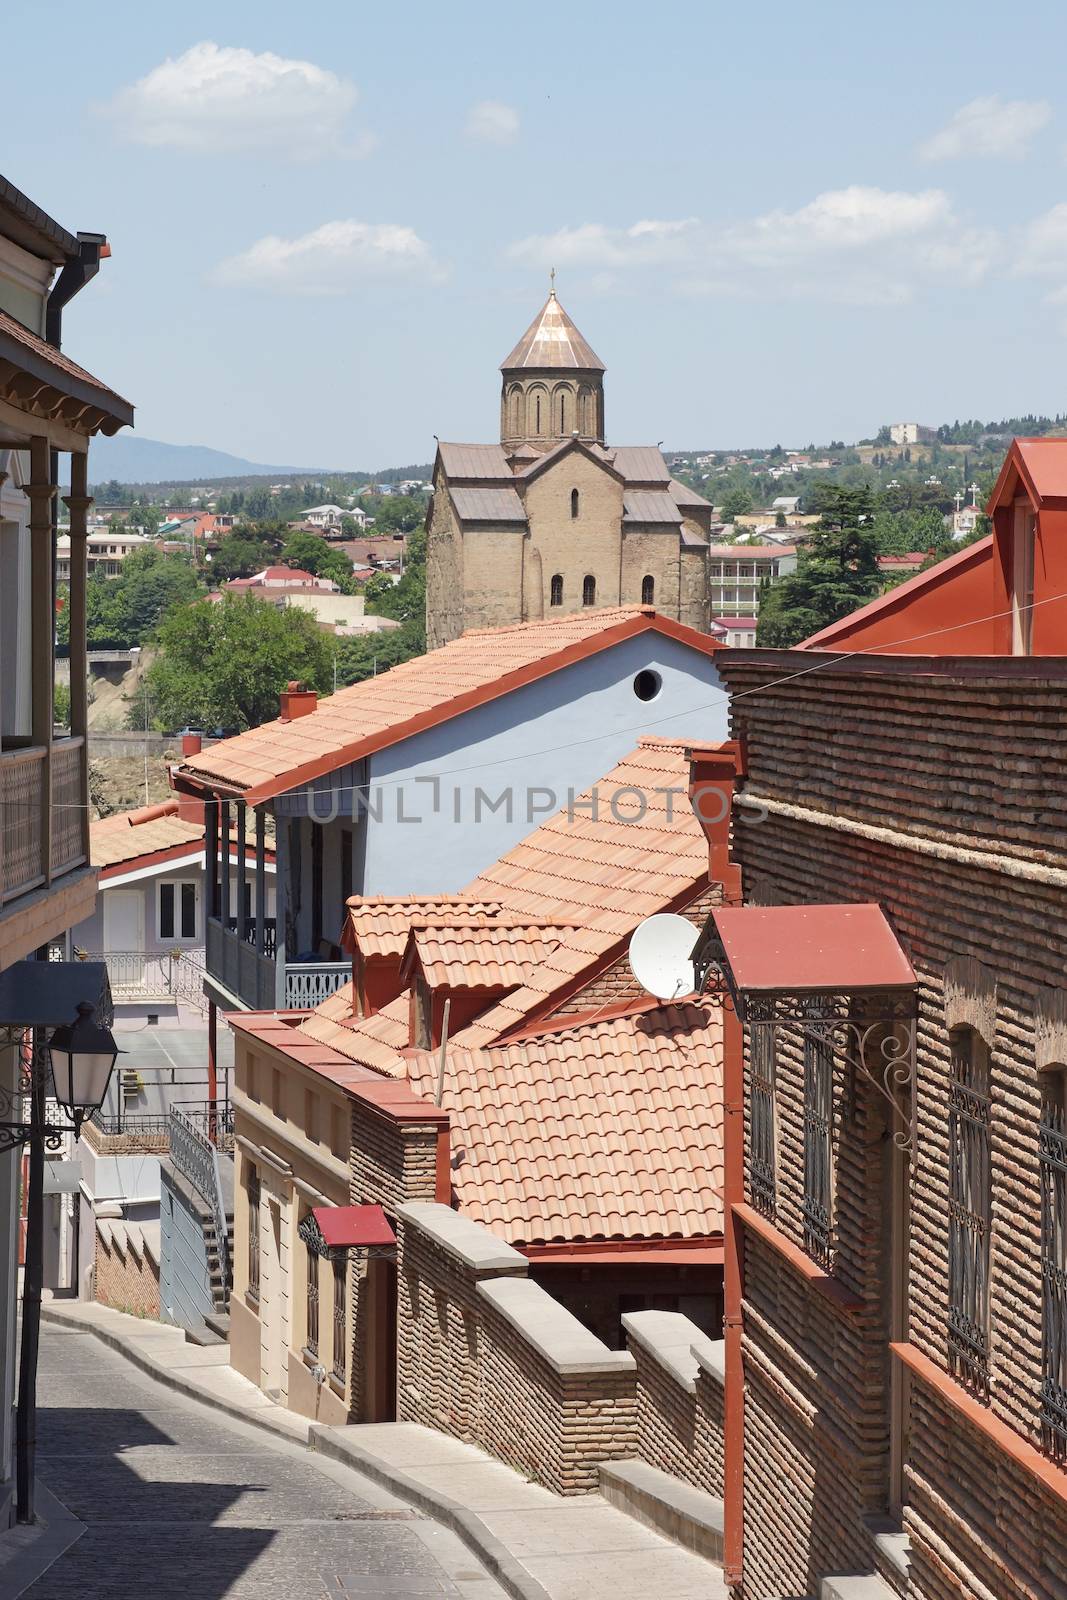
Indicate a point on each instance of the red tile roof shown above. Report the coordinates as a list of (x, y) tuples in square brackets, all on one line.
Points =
[(477, 667), (124, 837), (490, 954), (610, 1129), (836, 949), (45, 361), (593, 878), (380, 923)]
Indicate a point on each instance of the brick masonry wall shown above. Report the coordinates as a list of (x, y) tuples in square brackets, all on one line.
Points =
[(128, 1282), (463, 1368), (944, 799), (678, 1430)]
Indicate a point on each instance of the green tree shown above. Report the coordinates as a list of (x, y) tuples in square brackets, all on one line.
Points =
[(240, 555), (224, 664), (368, 654), (735, 503), (835, 574), (406, 600), (123, 611), (310, 553)]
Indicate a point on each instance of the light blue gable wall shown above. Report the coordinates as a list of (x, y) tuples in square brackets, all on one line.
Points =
[(560, 733)]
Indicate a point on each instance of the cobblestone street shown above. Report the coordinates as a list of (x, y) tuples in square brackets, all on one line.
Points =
[(178, 1501)]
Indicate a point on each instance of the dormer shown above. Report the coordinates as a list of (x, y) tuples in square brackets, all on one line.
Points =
[(1028, 507), (458, 970)]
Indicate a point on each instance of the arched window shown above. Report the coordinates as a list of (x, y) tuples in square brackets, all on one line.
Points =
[(970, 1209), (648, 590), (563, 413), (1052, 1147), (538, 413), (575, 501), (555, 592), (588, 590)]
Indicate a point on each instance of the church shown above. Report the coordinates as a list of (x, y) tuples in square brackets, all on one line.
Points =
[(553, 518)]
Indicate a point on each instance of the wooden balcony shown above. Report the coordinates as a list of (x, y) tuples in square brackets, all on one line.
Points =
[(253, 975), (41, 842)]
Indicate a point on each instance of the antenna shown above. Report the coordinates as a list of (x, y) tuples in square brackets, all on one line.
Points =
[(661, 955)]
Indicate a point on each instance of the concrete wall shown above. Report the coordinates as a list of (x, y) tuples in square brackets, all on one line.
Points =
[(185, 1293)]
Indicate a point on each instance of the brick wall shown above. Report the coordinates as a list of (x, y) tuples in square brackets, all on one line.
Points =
[(127, 1272), (679, 1397), (484, 1354), (936, 789)]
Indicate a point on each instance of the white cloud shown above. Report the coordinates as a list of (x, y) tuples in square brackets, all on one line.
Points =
[(216, 98), (988, 126), (1043, 245), (493, 122), (862, 245), (329, 260)]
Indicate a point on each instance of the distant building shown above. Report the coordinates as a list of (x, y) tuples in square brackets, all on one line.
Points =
[(104, 552), (911, 433), (329, 516), (552, 519), (787, 504), (736, 573)]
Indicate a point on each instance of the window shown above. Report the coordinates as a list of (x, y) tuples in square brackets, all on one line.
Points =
[(311, 1343), (817, 1205), (563, 413), (762, 1168), (176, 909), (969, 1210), (575, 502), (555, 592), (588, 590), (340, 1321), (254, 1198), (538, 409), (1022, 587), (1053, 1160), (648, 590)]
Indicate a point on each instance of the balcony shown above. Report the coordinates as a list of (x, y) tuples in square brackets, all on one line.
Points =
[(120, 1131), (28, 857), (252, 975)]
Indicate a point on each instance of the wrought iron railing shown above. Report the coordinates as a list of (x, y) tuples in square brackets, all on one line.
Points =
[(762, 1175), (969, 1211), (1053, 1157), (308, 983), (817, 1205), (210, 1118), (340, 1320), (197, 1159)]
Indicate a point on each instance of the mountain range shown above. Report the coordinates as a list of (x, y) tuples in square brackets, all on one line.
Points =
[(131, 459)]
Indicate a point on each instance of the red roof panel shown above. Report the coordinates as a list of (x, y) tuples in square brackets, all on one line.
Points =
[(835, 949), (348, 1227)]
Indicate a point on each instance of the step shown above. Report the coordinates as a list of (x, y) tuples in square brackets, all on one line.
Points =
[(675, 1509), (856, 1586), (203, 1335), (219, 1323)]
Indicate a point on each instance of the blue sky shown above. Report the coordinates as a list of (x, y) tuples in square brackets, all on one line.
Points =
[(330, 222)]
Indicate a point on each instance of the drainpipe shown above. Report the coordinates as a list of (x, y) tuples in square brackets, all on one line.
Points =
[(714, 773), (92, 248)]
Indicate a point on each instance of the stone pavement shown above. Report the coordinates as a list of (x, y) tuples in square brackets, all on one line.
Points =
[(537, 1545), (180, 1501)]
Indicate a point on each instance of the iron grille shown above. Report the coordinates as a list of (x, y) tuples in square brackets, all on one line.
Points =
[(340, 1321), (818, 1148), (1053, 1155), (254, 1197), (762, 1163), (311, 1343), (969, 1212)]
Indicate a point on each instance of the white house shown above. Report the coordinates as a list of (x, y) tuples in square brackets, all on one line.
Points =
[(105, 551), (413, 781), (329, 516)]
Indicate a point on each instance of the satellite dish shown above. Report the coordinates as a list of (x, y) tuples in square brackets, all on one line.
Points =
[(661, 956)]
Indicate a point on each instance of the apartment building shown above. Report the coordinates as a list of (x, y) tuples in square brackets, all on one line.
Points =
[(737, 574), (49, 407)]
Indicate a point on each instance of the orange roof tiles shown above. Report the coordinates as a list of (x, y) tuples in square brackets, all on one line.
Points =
[(609, 1129), (486, 955), (116, 840), (380, 923), (473, 669), (592, 877)]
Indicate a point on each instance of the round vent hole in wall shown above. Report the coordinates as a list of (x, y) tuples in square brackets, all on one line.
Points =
[(647, 684)]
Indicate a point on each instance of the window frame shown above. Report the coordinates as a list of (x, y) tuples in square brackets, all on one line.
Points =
[(817, 1204), (311, 1304), (555, 589), (339, 1361), (589, 590), (177, 885), (254, 1194), (763, 1121), (1052, 1168), (970, 1210)]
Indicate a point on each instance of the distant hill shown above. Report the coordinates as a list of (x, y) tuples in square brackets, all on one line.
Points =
[(130, 459)]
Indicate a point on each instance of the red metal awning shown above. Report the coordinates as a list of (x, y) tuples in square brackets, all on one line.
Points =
[(353, 1227), (835, 949)]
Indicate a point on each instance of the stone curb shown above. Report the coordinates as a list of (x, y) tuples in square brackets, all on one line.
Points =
[(56, 1530), (272, 1420), (494, 1555)]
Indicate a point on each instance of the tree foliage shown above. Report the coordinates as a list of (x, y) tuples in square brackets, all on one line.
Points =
[(370, 653), (406, 600), (123, 611), (308, 552), (835, 574), (224, 664), (737, 502)]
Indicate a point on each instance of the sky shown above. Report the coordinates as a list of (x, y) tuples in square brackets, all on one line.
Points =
[(330, 223)]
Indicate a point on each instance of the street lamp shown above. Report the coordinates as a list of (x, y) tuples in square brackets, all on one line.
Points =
[(82, 1056)]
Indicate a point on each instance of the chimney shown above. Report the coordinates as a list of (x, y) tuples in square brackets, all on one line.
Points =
[(714, 771), (297, 701), (191, 743)]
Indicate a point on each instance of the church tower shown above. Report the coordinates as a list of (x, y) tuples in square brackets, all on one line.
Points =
[(553, 386)]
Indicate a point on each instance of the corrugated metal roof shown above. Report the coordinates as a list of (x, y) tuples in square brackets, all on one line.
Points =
[(488, 505), (486, 461), (650, 505), (552, 341), (691, 540)]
